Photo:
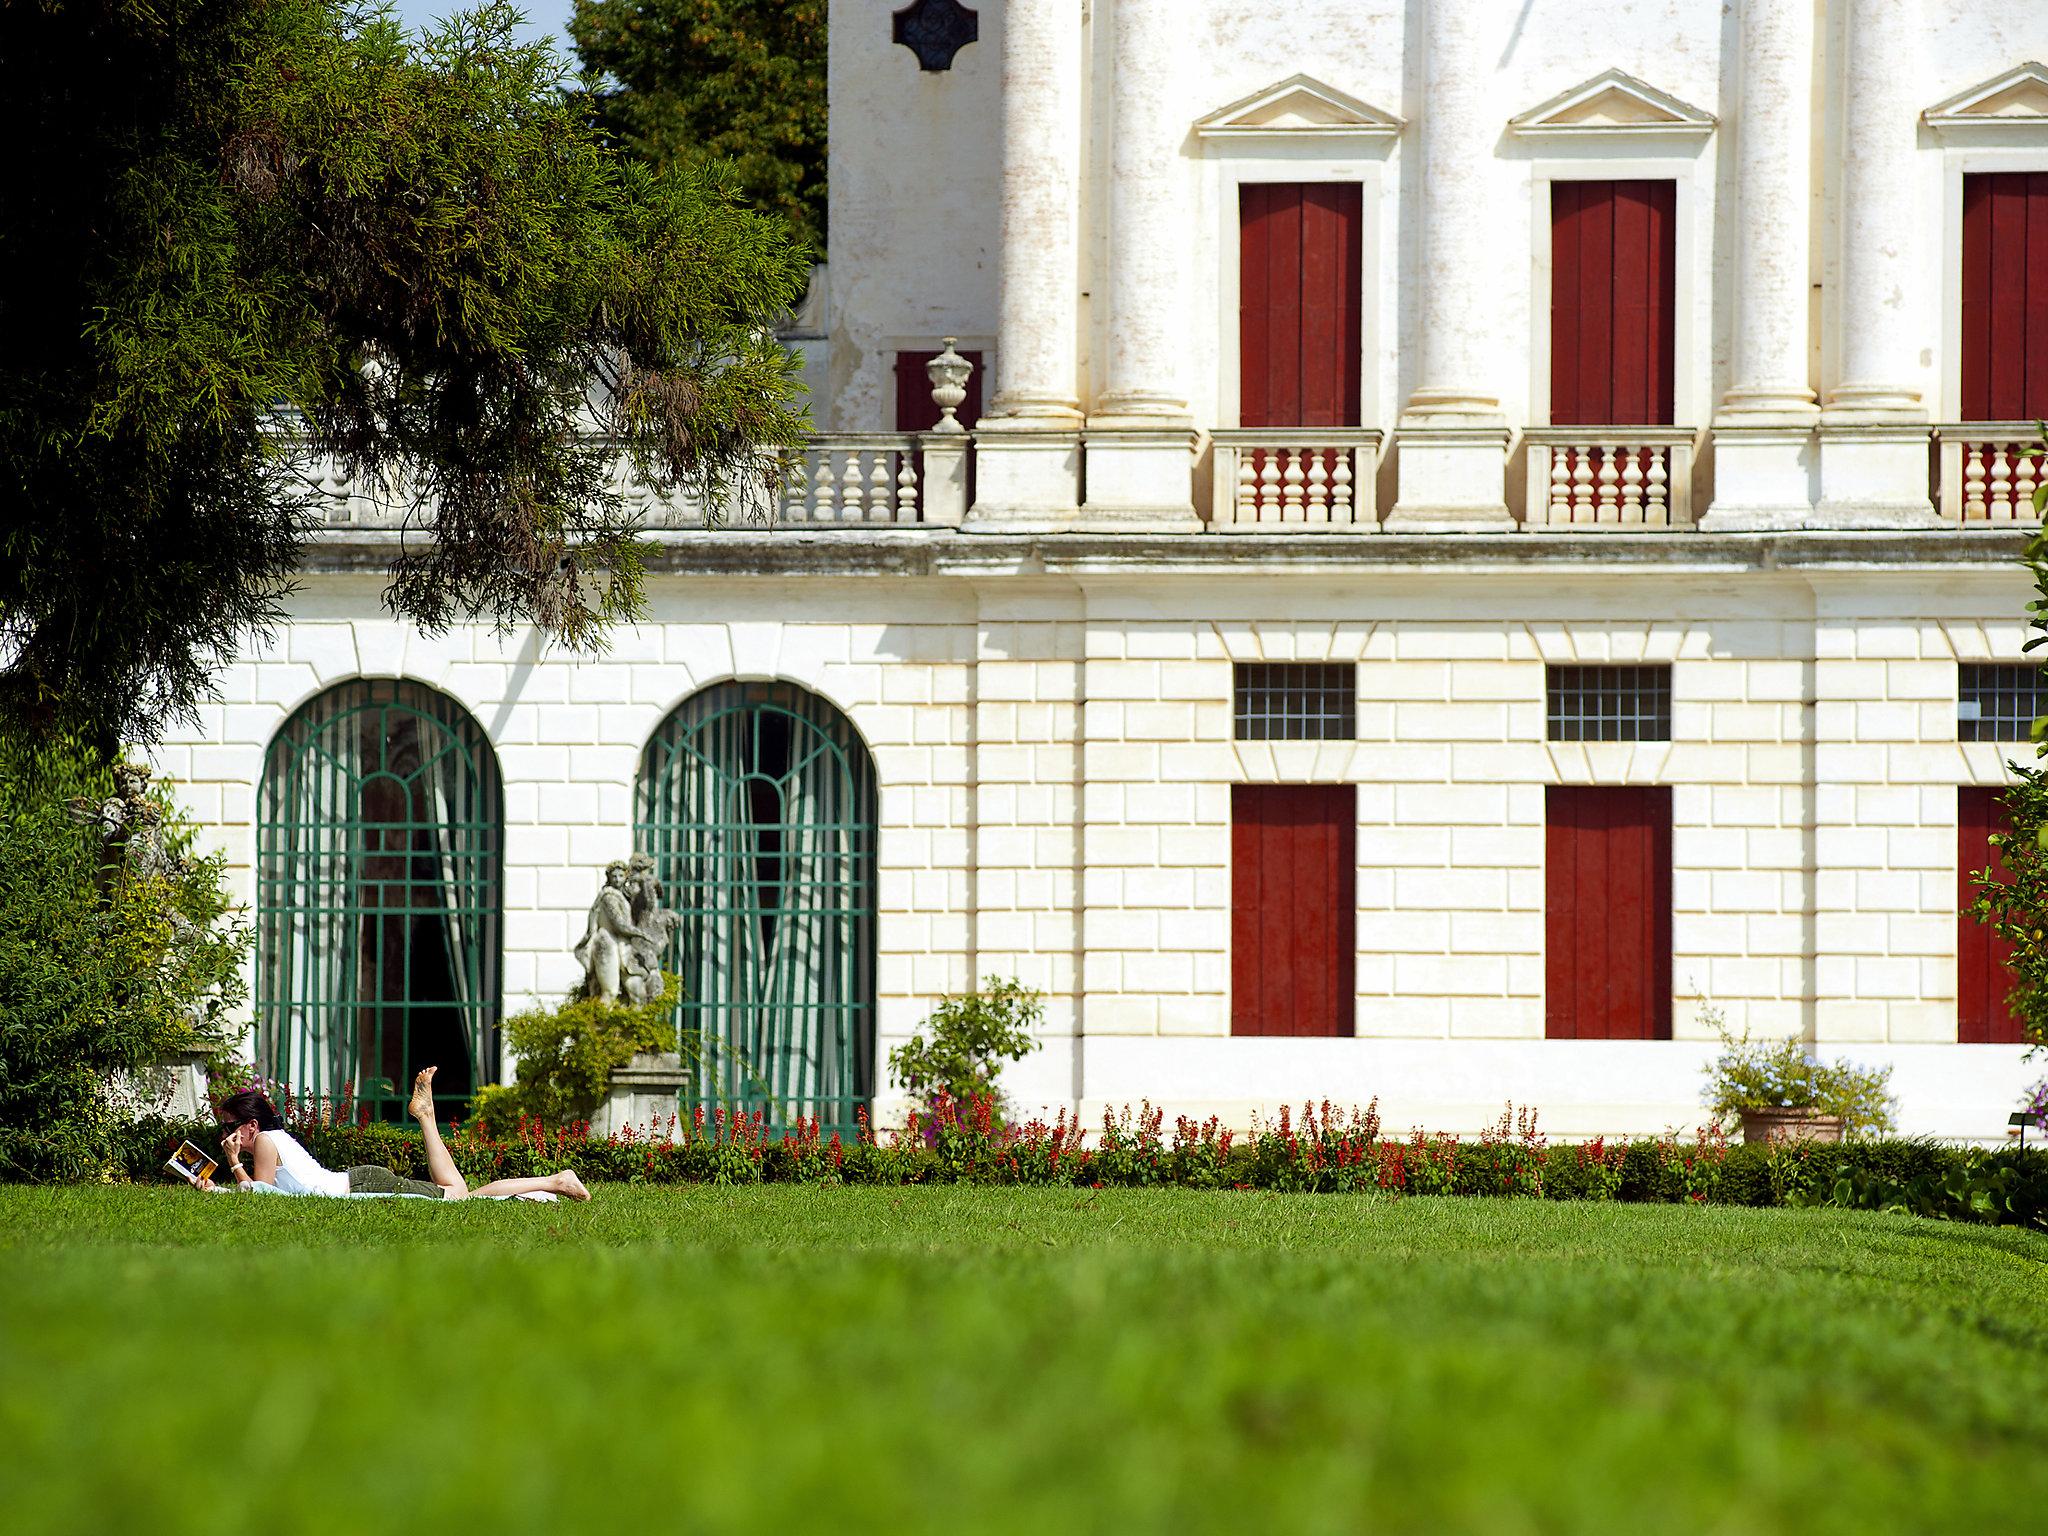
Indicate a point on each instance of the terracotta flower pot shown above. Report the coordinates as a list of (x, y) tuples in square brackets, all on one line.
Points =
[(1779, 1123)]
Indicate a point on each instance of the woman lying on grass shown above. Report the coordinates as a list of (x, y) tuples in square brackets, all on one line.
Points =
[(252, 1122)]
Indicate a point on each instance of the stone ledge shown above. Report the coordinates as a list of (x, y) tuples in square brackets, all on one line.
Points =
[(942, 552)]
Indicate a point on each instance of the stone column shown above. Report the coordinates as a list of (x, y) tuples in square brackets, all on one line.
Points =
[(1140, 438), (1873, 464), (1028, 470), (1763, 432), (1452, 437)]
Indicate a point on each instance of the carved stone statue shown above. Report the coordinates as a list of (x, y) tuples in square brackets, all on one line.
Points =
[(626, 934), (130, 826), (607, 937), (654, 925)]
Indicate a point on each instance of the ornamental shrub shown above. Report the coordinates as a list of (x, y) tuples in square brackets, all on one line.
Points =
[(960, 1048), (1919, 1177), (107, 970), (566, 1056)]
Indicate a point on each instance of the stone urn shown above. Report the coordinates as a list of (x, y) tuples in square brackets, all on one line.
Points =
[(1779, 1123), (643, 1097)]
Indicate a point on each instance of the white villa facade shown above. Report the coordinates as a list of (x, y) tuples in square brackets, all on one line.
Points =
[(1488, 537)]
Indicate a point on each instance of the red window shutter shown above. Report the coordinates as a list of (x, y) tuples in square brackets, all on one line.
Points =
[(1293, 908), (1613, 302), (1607, 919), (1300, 268), (2005, 297), (1984, 1015)]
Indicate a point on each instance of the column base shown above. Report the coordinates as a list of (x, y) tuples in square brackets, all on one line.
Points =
[(1766, 472), (1451, 479), (1027, 474), (1874, 470), (1140, 476)]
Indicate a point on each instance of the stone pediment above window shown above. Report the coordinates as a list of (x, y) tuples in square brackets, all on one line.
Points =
[(2010, 105), (1299, 108), (1613, 105)]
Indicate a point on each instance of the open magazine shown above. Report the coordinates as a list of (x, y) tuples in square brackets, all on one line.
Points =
[(191, 1164)]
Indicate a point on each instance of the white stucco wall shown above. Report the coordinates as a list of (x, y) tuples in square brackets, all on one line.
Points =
[(1054, 756)]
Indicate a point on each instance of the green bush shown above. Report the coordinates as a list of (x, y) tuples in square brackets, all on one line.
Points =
[(2005, 1187), (566, 1056), (105, 969), (960, 1049)]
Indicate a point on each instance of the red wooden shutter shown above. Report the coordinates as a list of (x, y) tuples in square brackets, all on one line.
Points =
[(1607, 918), (1613, 302), (2005, 297), (1983, 959), (1300, 267), (1293, 908)]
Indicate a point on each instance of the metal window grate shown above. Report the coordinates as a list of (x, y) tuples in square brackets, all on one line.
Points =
[(1296, 701), (1998, 701), (379, 832), (1609, 703), (757, 802)]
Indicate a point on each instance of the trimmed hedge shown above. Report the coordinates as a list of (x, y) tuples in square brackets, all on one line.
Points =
[(1319, 1152)]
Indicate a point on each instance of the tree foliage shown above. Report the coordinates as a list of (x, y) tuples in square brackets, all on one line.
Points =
[(2015, 900), (417, 257), (105, 968), (684, 83)]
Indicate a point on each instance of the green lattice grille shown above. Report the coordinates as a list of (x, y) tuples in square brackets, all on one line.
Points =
[(757, 801), (378, 893)]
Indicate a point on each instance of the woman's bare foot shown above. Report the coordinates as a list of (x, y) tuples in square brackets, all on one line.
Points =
[(566, 1183), (421, 1105)]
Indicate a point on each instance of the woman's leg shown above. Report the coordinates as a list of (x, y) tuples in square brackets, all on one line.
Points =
[(563, 1183), (440, 1166)]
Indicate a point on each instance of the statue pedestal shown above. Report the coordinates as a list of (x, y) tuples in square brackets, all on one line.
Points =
[(643, 1096), (188, 1087)]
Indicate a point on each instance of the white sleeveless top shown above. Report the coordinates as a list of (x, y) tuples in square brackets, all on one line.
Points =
[(297, 1173)]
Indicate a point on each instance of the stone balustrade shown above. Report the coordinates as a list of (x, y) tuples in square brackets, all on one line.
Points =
[(1265, 479), (1295, 479), (1988, 476), (1609, 477)]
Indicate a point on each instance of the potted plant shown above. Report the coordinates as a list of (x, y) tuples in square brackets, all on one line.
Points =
[(1777, 1089)]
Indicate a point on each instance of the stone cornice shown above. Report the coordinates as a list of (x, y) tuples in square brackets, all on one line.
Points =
[(783, 554)]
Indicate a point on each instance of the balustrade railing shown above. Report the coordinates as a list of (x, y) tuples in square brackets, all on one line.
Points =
[(1609, 477), (1295, 479), (869, 479), (1988, 474)]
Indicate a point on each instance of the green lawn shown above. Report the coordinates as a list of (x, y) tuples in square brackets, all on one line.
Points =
[(799, 1358)]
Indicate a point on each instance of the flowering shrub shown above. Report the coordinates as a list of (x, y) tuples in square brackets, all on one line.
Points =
[(1320, 1149), (959, 1051), (1780, 1074), (1692, 1172), (2035, 1105)]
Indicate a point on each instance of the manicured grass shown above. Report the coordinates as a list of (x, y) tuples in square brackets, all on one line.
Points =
[(776, 1359)]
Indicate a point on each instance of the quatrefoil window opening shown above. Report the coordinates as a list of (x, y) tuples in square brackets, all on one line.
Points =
[(935, 30)]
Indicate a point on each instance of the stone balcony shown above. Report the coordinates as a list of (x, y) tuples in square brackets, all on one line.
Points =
[(1273, 480)]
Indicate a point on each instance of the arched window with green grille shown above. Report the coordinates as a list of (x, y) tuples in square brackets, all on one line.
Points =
[(757, 801), (379, 856)]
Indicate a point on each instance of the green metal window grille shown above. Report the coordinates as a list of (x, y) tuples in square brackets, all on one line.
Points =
[(379, 838), (757, 802)]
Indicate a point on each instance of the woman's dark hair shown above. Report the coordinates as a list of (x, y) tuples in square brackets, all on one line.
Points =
[(249, 1105)]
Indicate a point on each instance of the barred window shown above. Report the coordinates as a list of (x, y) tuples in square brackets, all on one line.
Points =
[(1609, 703), (1296, 701), (1998, 701)]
